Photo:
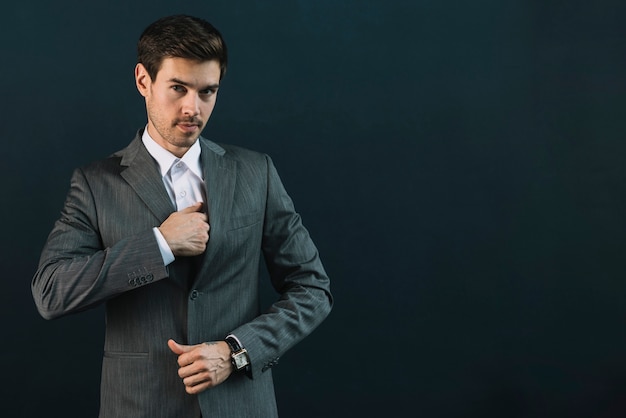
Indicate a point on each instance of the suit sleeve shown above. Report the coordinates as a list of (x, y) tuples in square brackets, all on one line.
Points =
[(76, 273), (298, 276)]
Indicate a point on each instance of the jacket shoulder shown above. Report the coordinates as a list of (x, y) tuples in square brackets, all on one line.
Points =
[(235, 152), (244, 154), (114, 162)]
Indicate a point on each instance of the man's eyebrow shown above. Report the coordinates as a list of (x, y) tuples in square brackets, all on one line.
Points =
[(186, 84)]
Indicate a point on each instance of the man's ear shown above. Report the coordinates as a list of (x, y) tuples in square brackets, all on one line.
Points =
[(142, 79)]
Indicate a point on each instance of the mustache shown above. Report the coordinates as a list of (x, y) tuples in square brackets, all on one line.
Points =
[(188, 121)]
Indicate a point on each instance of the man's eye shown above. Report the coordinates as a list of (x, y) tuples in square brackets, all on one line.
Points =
[(208, 92), (179, 89)]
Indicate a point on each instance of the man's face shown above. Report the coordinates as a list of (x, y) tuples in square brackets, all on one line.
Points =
[(179, 101)]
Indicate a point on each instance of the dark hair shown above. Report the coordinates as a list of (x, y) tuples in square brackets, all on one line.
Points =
[(180, 36)]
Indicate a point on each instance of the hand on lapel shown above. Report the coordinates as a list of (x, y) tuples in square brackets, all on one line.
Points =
[(187, 231)]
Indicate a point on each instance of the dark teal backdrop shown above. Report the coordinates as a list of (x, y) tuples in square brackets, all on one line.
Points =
[(459, 164)]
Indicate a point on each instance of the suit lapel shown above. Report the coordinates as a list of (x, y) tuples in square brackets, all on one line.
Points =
[(220, 175), (144, 177)]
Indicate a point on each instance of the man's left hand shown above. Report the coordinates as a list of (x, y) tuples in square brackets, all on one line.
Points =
[(202, 366)]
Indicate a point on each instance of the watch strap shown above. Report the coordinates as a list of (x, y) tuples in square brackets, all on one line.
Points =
[(238, 355), (233, 344)]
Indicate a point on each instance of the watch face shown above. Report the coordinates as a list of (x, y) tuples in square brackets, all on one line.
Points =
[(240, 360)]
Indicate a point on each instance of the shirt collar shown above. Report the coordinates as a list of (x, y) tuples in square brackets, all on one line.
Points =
[(165, 159)]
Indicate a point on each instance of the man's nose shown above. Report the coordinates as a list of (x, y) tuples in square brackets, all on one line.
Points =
[(191, 105)]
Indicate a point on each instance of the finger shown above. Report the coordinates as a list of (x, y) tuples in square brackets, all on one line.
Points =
[(198, 378), (201, 216), (194, 390), (187, 371), (178, 349), (196, 207)]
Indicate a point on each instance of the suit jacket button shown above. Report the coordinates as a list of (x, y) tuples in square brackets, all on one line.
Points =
[(194, 294)]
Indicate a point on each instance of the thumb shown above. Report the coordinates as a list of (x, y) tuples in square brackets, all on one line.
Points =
[(196, 207), (178, 349)]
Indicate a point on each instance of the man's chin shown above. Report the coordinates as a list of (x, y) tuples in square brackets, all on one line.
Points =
[(188, 137)]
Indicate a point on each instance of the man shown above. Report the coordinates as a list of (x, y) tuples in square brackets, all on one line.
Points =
[(168, 233)]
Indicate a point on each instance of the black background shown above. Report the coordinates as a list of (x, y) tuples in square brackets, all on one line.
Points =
[(459, 164)]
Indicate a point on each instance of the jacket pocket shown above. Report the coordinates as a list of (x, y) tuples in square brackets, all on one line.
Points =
[(125, 354), (242, 221)]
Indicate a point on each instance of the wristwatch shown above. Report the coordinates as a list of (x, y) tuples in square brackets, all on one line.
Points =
[(238, 355)]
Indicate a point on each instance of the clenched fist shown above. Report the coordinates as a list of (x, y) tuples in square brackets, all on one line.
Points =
[(187, 231)]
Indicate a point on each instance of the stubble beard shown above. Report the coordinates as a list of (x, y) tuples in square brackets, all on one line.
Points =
[(176, 137)]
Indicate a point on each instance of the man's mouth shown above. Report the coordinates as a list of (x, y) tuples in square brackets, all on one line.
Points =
[(188, 127)]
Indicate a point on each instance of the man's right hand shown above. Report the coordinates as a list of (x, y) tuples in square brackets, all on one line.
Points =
[(186, 231)]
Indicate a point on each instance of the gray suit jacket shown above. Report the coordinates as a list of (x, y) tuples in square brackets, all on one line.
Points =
[(103, 250)]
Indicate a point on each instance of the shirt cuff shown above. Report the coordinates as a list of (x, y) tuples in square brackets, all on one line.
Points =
[(166, 252), (234, 337)]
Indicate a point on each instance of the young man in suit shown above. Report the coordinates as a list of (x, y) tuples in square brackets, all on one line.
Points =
[(168, 234)]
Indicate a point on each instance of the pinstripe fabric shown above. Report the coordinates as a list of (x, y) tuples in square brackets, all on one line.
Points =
[(102, 250)]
